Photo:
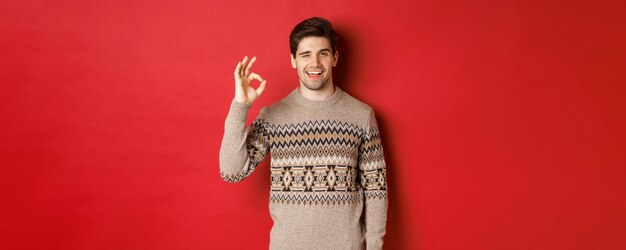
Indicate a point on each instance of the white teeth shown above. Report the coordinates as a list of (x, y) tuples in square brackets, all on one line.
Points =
[(314, 72)]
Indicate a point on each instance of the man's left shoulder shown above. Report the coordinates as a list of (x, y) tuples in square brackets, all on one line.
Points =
[(357, 105)]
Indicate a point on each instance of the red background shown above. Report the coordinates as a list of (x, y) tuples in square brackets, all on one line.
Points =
[(502, 121)]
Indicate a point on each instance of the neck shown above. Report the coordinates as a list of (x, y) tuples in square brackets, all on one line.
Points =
[(317, 95)]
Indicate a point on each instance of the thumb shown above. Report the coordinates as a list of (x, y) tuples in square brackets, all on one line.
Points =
[(261, 88)]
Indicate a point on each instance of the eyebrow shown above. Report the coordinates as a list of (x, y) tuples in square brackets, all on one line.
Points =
[(308, 51)]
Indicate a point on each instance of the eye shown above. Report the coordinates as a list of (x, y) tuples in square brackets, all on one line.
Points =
[(324, 53)]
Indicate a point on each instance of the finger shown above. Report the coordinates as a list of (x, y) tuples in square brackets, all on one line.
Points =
[(237, 70), (249, 66), (261, 88), (255, 76), (243, 65)]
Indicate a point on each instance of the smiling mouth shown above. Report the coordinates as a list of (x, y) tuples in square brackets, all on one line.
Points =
[(314, 72)]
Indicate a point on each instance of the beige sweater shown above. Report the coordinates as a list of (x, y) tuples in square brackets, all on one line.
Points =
[(329, 189)]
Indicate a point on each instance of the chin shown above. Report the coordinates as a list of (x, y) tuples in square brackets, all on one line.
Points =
[(314, 86)]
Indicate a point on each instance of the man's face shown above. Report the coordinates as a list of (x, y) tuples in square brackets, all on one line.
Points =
[(314, 61)]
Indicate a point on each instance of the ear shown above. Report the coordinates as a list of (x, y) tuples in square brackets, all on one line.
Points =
[(293, 61), (336, 58)]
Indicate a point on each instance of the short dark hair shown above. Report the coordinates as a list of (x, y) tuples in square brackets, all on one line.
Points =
[(314, 26)]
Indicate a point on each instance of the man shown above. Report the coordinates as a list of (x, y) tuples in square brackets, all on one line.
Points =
[(328, 184)]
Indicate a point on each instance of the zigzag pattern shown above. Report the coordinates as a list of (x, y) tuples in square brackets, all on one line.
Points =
[(316, 133), (371, 151), (316, 198), (234, 178), (318, 162), (315, 142), (376, 194), (333, 160), (257, 141), (314, 151)]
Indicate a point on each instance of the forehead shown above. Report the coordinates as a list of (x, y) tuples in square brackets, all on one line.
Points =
[(313, 43)]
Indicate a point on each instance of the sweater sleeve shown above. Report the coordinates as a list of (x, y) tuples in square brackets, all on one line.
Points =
[(243, 148), (373, 179)]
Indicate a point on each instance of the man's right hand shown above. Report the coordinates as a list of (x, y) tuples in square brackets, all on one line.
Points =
[(244, 93)]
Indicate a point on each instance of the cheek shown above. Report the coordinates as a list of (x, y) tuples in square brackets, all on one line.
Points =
[(329, 63), (300, 69), (301, 66)]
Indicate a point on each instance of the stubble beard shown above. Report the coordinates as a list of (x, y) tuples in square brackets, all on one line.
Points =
[(314, 85)]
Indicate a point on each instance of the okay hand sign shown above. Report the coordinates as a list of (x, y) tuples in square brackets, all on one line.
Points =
[(244, 93)]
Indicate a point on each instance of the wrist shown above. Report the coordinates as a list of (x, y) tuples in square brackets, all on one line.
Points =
[(241, 100)]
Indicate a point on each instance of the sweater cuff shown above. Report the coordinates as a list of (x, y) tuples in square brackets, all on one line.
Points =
[(374, 244), (239, 111)]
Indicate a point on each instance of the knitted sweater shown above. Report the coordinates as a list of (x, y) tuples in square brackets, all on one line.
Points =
[(328, 183)]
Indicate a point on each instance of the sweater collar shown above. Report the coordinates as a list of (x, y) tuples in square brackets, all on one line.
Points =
[(298, 98)]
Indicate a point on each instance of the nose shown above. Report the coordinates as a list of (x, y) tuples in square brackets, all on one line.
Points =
[(315, 60)]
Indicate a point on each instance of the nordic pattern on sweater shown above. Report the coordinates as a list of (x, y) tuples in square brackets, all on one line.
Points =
[(323, 154)]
